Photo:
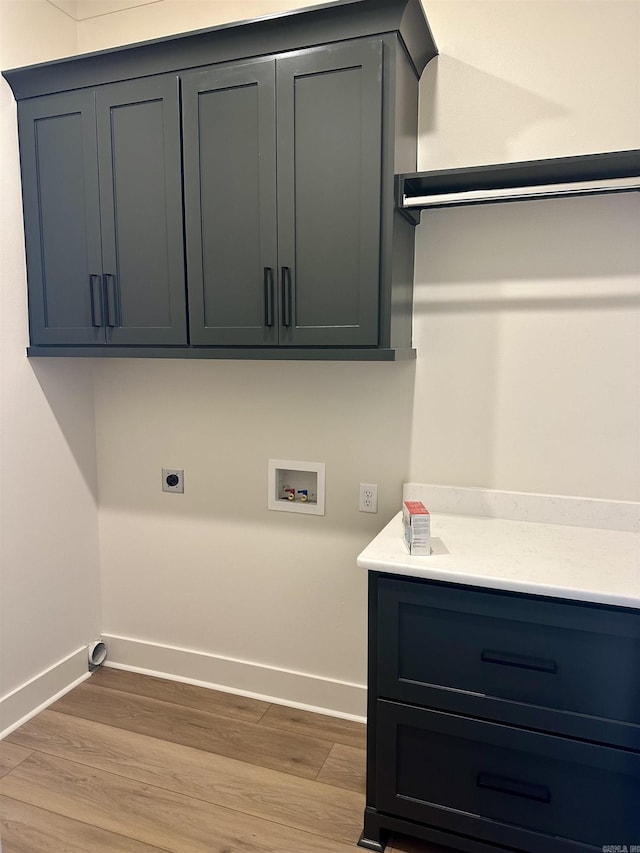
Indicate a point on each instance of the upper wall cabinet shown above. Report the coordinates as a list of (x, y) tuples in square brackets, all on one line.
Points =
[(101, 180), (279, 138), (283, 219)]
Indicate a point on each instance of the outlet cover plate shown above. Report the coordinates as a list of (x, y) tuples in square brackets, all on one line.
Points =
[(168, 478), (368, 501)]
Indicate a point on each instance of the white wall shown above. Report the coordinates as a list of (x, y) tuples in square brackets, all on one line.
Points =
[(214, 570), (527, 79), (49, 578), (141, 20), (527, 326), (527, 316)]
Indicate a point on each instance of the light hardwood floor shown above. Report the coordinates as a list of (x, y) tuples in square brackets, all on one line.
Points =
[(126, 763)]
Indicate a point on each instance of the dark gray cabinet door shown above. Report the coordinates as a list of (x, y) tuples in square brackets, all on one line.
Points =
[(62, 218), (229, 144), (329, 108), (141, 211)]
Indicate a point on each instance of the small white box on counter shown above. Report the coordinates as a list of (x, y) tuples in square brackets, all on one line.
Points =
[(417, 528)]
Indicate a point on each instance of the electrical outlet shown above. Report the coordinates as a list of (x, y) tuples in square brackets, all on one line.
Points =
[(173, 480), (368, 497)]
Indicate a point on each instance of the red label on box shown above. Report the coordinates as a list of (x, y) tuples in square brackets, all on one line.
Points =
[(416, 508)]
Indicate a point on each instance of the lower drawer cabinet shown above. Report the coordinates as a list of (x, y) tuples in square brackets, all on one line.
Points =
[(519, 788)]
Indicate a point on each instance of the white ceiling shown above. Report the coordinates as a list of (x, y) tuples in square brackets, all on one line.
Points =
[(81, 9)]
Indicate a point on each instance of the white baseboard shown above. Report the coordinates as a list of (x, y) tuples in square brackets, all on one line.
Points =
[(42, 690), (285, 687)]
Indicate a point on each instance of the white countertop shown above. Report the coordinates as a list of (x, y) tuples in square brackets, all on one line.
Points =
[(579, 563)]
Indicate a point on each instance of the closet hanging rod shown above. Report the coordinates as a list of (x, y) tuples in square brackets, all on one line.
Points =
[(479, 196), (584, 174)]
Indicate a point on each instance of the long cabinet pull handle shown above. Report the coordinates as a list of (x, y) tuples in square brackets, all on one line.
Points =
[(269, 291), (521, 661), (514, 787), (286, 296), (113, 319), (95, 290)]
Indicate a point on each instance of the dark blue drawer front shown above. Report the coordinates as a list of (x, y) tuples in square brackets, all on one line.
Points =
[(451, 770), (478, 652)]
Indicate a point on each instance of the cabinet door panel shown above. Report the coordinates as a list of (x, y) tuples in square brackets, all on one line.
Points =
[(141, 204), (230, 203), (329, 162), (62, 216)]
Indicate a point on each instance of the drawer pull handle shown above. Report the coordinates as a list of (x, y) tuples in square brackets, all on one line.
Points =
[(522, 661), (286, 296), (268, 297), (113, 307), (514, 787), (96, 301)]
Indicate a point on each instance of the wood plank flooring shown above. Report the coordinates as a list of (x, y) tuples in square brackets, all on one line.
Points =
[(126, 763)]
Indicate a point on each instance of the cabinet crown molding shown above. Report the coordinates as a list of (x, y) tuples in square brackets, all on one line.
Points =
[(298, 29)]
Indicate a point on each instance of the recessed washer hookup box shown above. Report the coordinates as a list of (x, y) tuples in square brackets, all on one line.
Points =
[(417, 528)]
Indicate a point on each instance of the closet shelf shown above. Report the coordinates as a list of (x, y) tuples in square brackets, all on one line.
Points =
[(589, 174)]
